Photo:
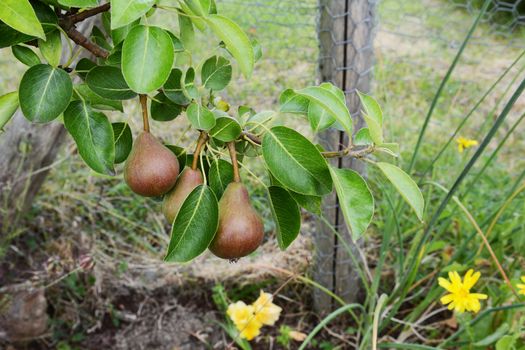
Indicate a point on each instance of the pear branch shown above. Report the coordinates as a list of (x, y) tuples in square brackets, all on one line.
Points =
[(144, 104), (81, 40), (203, 137), (349, 151), (79, 17), (233, 156)]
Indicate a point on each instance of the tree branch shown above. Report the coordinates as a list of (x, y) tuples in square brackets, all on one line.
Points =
[(79, 17), (81, 40)]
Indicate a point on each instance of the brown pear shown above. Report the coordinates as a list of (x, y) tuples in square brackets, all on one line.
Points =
[(151, 169), (187, 181), (241, 229)]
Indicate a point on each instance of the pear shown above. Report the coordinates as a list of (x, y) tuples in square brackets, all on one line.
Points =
[(187, 181), (241, 229), (151, 169)]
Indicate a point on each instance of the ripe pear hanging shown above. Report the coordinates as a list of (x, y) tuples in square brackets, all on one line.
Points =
[(241, 229), (187, 181), (151, 169)]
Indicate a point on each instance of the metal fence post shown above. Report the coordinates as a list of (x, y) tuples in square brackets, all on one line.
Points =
[(346, 56)]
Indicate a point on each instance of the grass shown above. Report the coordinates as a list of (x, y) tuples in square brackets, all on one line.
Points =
[(415, 43)]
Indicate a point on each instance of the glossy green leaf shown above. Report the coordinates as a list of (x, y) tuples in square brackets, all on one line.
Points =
[(189, 88), (147, 57), (195, 225), (390, 148), (79, 3), (20, 15), (373, 117), (194, 14), (51, 48), (216, 73), (97, 101), (236, 41), (99, 38), (286, 215), (226, 129), (319, 117), (173, 88), (44, 93), (200, 117), (362, 137), (8, 107), (163, 109), (108, 82), (290, 102), (118, 35), (330, 101), (93, 135), (405, 186), (220, 176), (296, 162), (126, 11), (123, 141), (355, 200), (310, 203), (83, 67), (25, 55), (255, 122), (186, 32)]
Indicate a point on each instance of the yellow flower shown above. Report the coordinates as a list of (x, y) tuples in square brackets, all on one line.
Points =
[(464, 143), (521, 287), (244, 319), (460, 297), (265, 311)]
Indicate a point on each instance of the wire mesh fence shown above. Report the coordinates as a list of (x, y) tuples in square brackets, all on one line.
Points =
[(407, 53)]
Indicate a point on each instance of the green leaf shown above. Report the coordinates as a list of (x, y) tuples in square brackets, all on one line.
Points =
[(99, 38), (391, 148), (51, 48), (147, 57), (255, 122), (290, 102), (44, 93), (362, 137), (118, 35), (126, 11), (173, 88), (494, 337), (200, 117), (97, 101), (319, 118), (109, 83), (195, 17), (286, 214), (163, 110), (506, 342), (373, 117), (93, 135), (355, 200), (84, 66), (236, 41), (20, 15), (8, 107), (405, 186), (220, 175), (296, 162), (123, 141), (195, 225), (189, 88), (226, 129), (79, 3), (186, 32), (216, 73), (330, 101), (310, 203), (25, 55)]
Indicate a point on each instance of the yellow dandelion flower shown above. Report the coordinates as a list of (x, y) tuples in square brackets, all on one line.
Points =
[(521, 287), (460, 297), (243, 317), (464, 143), (265, 310)]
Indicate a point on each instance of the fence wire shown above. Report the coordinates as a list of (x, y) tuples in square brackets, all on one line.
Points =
[(413, 43)]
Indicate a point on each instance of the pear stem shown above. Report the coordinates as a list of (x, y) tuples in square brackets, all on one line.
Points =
[(233, 156), (144, 103), (203, 137)]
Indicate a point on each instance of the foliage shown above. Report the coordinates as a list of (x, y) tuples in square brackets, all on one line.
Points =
[(135, 58)]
